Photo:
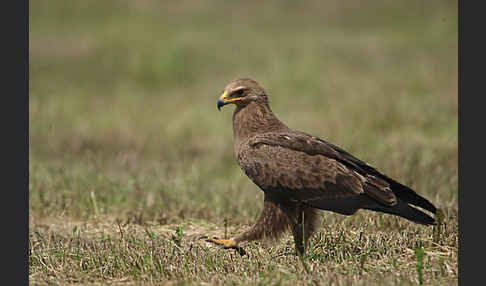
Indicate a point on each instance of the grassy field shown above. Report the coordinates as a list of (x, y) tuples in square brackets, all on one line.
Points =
[(130, 161)]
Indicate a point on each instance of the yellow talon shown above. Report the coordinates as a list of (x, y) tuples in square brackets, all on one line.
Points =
[(226, 243)]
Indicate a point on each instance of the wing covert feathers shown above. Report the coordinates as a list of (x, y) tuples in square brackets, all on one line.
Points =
[(311, 170)]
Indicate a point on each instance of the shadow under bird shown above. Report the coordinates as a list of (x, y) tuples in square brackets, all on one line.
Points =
[(301, 174)]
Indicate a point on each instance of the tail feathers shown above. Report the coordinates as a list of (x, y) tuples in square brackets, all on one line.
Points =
[(406, 211), (408, 195), (402, 192)]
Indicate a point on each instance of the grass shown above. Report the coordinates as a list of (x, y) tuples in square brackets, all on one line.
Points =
[(130, 161)]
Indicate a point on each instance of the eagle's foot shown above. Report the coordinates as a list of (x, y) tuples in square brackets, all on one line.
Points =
[(226, 243)]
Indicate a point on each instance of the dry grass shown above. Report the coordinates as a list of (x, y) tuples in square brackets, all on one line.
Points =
[(130, 161), (373, 251)]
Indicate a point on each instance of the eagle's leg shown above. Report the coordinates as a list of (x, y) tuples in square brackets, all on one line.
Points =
[(273, 221), (226, 243), (304, 226), (298, 232)]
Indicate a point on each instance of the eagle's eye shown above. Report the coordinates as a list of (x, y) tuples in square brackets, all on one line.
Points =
[(239, 92)]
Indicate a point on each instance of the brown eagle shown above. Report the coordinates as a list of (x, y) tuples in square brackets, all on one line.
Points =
[(300, 173)]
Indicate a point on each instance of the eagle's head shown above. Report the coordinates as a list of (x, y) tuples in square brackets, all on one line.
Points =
[(241, 92)]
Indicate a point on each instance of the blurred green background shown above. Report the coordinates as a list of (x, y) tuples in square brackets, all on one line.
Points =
[(122, 103)]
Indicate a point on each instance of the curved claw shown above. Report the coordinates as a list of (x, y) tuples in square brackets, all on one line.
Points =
[(226, 243)]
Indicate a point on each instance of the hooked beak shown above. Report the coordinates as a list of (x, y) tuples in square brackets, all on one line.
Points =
[(223, 100), (221, 103)]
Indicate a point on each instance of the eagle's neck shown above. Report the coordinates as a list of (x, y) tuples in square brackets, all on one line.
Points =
[(252, 119)]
